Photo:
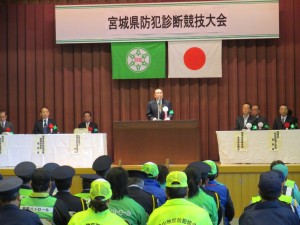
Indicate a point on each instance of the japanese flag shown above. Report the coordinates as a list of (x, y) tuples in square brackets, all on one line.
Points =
[(195, 59)]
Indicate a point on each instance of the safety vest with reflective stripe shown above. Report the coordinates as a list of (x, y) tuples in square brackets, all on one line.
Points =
[(289, 183), (40, 203), (283, 198), (25, 192)]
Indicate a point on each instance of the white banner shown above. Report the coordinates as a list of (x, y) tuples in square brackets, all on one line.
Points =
[(167, 21)]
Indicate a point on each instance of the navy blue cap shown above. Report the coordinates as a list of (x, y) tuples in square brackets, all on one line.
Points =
[(102, 163), (270, 184), (201, 166), (90, 177), (25, 169), (50, 167), (10, 185), (137, 173), (63, 173)]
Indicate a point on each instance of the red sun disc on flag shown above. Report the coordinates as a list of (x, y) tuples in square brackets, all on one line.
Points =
[(194, 58)]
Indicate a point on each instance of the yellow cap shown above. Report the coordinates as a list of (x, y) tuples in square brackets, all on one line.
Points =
[(100, 188), (176, 179)]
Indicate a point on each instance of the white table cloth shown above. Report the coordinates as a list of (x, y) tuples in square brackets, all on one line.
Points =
[(76, 150), (261, 146)]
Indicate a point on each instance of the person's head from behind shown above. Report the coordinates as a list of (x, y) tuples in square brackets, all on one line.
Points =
[(100, 194), (40, 181), (136, 177), (87, 116), (270, 185), (255, 110), (158, 94), (194, 180), (163, 171), (150, 169), (176, 185), (44, 112), (283, 110), (9, 190), (275, 162), (283, 169), (118, 179), (246, 109)]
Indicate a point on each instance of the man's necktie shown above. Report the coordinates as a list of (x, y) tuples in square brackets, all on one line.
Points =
[(45, 130), (159, 109), (282, 120)]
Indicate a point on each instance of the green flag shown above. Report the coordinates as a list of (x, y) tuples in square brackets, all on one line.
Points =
[(138, 60)]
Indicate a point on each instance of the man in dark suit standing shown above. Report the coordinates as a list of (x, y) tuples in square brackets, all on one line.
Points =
[(284, 120), (87, 117), (45, 125), (242, 120), (5, 125), (159, 108), (259, 120)]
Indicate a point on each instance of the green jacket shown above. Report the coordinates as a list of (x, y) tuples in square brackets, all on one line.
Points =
[(208, 203), (129, 210)]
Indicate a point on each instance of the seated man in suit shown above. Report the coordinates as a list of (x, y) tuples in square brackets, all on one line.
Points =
[(159, 108), (242, 120), (87, 117), (45, 125), (284, 120), (5, 125), (259, 120)]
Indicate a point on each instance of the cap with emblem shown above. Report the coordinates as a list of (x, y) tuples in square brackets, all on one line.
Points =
[(100, 188), (10, 185), (176, 179)]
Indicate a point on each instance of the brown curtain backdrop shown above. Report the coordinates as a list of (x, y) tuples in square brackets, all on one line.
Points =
[(69, 79)]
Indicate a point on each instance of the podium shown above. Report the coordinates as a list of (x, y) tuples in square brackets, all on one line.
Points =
[(137, 142)]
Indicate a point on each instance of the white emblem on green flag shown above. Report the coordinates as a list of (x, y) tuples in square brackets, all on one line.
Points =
[(138, 60)]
